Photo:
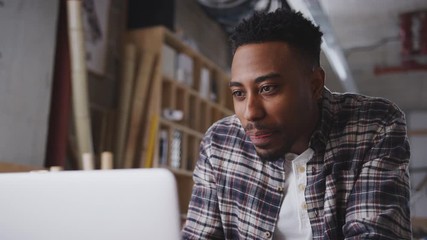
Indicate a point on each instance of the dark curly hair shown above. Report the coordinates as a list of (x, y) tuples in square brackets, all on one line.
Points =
[(281, 25)]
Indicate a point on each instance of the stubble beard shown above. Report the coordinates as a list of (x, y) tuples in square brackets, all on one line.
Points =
[(267, 155), (271, 155)]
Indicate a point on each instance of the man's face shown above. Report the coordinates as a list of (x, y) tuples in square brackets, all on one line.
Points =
[(275, 97)]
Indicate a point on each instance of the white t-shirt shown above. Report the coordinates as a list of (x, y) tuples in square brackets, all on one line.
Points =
[(293, 222)]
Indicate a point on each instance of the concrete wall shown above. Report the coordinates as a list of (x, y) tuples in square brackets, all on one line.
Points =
[(208, 36), (27, 44), (417, 123)]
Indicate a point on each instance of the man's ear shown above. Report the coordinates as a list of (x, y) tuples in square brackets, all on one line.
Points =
[(317, 82)]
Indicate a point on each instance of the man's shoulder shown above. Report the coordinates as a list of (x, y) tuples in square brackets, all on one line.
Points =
[(225, 129), (363, 106), (227, 137), (225, 124)]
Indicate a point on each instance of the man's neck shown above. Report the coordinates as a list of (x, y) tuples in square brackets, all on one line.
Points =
[(302, 143)]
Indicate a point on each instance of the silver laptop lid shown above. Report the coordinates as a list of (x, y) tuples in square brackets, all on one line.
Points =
[(70, 205)]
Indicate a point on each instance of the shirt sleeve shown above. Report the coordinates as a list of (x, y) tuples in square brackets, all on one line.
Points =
[(203, 217), (378, 206)]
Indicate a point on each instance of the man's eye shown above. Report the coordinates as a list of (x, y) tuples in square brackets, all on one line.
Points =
[(237, 94), (267, 89)]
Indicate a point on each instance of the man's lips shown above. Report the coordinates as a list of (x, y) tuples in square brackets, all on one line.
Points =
[(260, 138), (258, 133)]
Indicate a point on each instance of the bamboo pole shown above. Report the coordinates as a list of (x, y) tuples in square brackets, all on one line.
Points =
[(79, 78)]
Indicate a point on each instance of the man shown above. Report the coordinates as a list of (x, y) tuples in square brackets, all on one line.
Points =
[(297, 161)]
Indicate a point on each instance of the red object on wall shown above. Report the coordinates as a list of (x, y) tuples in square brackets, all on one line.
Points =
[(61, 95), (423, 33), (406, 33), (410, 51)]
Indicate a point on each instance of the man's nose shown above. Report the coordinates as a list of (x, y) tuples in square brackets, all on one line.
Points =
[(254, 109)]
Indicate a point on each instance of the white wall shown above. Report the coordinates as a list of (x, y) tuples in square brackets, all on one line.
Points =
[(27, 44), (418, 121)]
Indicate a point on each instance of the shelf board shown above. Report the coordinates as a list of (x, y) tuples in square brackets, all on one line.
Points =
[(181, 127), (180, 172), (172, 40), (195, 93)]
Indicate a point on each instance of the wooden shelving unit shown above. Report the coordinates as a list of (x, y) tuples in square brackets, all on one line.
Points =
[(153, 139)]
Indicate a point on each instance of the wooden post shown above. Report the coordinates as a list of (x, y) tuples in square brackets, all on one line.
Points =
[(106, 160), (87, 161)]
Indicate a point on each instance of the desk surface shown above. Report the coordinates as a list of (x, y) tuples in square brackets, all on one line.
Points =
[(13, 167)]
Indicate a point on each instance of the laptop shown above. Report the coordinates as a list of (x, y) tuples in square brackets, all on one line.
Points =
[(94, 205)]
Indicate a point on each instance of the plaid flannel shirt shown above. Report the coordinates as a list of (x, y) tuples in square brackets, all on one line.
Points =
[(357, 179)]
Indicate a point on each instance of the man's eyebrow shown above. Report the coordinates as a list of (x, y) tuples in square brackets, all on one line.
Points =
[(258, 80), (234, 84), (269, 76)]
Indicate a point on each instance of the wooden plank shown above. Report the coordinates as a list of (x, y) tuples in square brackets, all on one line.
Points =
[(125, 99), (182, 128), (197, 68), (417, 132), (186, 108), (176, 43), (149, 41), (149, 149), (419, 224), (185, 186), (184, 151), (13, 167), (139, 106)]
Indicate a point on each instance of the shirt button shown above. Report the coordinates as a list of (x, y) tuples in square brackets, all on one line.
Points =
[(301, 187), (301, 169), (280, 189), (304, 206), (267, 234)]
